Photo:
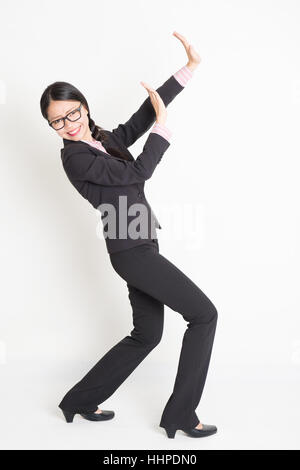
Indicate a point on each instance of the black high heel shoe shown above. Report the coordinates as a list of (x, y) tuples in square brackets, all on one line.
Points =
[(103, 416), (206, 430)]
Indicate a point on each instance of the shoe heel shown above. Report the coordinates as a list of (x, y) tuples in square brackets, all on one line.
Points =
[(69, 415), (171, 431)]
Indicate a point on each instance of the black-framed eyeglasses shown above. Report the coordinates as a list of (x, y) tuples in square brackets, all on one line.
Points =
[(74, 115)]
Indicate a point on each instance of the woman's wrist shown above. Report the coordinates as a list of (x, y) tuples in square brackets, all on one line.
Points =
[(192, 66), (162, 129)]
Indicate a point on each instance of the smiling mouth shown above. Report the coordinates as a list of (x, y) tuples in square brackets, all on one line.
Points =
[(74, 132)]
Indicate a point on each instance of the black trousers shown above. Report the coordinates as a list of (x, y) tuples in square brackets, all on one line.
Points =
[(153, 282)]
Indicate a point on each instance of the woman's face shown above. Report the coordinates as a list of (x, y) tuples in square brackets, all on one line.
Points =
[(79, 129)]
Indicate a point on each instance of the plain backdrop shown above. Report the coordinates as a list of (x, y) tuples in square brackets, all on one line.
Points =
[(234, 149)]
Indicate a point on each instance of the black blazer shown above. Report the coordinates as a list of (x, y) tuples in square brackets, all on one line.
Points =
[(102, 179)]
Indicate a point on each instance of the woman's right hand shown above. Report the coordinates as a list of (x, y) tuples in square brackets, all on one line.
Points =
[(157, 103)]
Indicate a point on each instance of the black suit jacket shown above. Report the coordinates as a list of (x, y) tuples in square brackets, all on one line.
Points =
[(102, 179)]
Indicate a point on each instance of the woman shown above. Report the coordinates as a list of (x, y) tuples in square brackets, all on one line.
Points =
[(99, 165)]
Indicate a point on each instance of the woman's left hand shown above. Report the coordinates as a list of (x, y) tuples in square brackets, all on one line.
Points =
[(193, 57)]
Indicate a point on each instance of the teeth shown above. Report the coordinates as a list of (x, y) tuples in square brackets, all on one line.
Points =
[(74, 132)]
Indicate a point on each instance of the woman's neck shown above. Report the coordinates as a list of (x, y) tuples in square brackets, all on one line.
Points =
[(88, 136)]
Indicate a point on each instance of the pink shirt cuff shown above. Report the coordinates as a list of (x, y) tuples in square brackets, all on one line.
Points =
[(183, 75), (162, 130)]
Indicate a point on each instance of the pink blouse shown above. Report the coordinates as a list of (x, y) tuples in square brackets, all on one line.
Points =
[(183, 75)]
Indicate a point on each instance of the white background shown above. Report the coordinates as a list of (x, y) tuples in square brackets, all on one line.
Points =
[(234, 149)]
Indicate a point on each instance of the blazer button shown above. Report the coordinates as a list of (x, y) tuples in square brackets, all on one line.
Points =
[(139, 194)]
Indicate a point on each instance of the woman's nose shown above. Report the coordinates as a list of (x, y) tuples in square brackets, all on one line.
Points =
[(69, 125)]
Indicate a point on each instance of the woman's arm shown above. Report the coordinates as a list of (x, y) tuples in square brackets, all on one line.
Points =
[(141, 121), (84, 165)]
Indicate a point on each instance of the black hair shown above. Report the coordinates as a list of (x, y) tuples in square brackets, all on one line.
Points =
[(61, 91)]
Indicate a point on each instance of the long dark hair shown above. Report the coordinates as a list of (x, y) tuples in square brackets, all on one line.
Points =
[(61, 91)]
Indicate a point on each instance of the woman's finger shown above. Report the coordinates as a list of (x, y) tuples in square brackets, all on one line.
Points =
[(182, 39), (146, 86)]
